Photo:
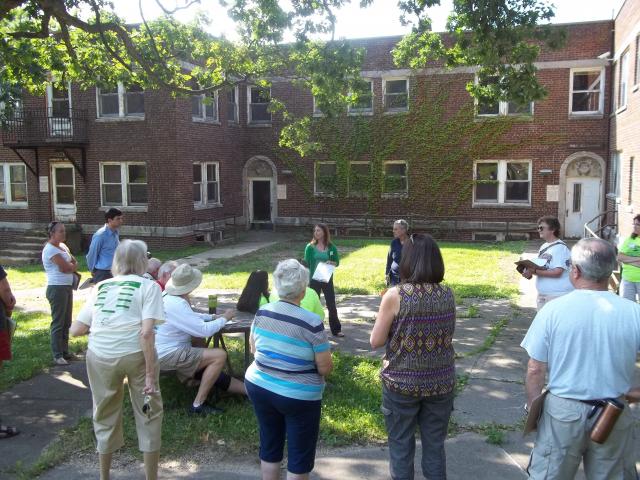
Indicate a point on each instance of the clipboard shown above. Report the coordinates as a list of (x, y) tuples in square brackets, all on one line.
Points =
[(323, 272), (535, 411)]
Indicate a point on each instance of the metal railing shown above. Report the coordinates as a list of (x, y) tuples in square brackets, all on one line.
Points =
[(30, 127), (607, 232)]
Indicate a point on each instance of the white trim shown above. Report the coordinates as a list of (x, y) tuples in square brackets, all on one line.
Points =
[(250, 181), (315, 178), (406, 179), (502, 183), (122, 111), (364, 111), (623, 78), (503, 108), (203, 118), (124, 183), (236, 105), (250, 120), (6, 182), (600, 110), (386, 79), (204, 181)]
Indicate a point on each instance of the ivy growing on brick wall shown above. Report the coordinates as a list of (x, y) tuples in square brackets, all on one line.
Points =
[(438, 141)]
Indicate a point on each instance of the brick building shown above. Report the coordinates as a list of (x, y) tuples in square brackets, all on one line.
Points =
[(178, 167)]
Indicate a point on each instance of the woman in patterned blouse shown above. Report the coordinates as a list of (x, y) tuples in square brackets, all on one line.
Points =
[(415, 323)]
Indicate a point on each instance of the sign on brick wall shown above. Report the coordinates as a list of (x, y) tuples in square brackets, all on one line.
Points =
[(552, 193), (282, 192)]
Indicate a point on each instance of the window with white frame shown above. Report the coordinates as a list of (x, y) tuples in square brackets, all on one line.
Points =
[(13, 184), (395, 178), (364, 100), (502, 107), (206, 184), (587, 91), (259, 99), (325, 178), (614, 175), (120, 101), (123, 184), (396, 94), (204, 107), (316, 110), (232, 105), (359, 179), (502, 181), (623, 80)]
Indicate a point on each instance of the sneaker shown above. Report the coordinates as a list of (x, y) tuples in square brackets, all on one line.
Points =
[(60, 361), (204, 410), (71, 357)]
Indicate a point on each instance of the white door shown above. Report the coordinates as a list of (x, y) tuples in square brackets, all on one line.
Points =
[(59, 102), (583, 205), (64, 197)]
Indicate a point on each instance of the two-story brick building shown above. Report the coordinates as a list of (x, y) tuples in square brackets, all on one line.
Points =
[(178, 166)]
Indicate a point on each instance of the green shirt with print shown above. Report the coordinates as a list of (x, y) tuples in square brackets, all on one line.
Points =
[(631, 247)]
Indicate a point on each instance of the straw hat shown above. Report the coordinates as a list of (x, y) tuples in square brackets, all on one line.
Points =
[(184, 279)]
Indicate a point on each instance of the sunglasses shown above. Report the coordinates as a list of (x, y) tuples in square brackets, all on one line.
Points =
[(540, 228)]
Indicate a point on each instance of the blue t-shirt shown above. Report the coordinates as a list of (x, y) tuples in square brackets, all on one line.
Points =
[(589, 339), (287, 339)]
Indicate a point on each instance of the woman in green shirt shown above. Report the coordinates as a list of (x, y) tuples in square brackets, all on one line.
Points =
[(320, 249), (629, 256)]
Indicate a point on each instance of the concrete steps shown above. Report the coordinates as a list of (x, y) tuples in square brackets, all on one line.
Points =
[(26, 249)]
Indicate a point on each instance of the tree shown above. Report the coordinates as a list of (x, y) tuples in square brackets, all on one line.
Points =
[(85, 41)]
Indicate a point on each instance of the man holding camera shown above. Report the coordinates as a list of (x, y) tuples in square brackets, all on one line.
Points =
[(587, 341)]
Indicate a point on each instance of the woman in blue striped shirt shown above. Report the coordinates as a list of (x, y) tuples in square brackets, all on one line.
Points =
[(286, 380)]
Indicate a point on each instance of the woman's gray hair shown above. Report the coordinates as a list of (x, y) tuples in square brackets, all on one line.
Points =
[(130, 258), (291, 279), (403, 223), (595, 258)]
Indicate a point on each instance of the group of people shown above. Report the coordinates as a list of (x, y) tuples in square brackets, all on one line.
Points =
[(140, 322)]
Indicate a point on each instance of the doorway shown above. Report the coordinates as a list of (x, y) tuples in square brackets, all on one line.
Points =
[(260, 201), (583, 205), (63, 196)]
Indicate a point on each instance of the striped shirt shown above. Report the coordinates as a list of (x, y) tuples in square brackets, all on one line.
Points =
[(287, 339)]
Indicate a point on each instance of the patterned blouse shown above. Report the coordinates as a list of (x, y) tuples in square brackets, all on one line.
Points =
[(419, 357)]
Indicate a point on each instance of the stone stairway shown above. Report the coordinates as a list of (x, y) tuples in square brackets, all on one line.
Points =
[(25, 249)]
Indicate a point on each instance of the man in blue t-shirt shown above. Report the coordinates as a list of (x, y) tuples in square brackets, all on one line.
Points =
[(587, 341), (103, 246)]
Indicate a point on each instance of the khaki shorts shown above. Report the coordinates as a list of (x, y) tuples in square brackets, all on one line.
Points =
[(184, 361), (106, 378)]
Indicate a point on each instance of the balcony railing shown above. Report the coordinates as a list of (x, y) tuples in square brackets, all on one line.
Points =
[(41, 127)]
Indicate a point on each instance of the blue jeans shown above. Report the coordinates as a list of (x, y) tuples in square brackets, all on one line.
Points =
[(630, 290), (402, 415), (279, 416)]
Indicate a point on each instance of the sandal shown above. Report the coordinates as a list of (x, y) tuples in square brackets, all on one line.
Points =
[(8, 432)]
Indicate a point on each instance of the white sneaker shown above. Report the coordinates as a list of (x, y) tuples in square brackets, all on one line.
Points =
[(60, 361)]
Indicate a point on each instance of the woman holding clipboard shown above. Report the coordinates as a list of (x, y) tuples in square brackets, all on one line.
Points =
[(322, 255)]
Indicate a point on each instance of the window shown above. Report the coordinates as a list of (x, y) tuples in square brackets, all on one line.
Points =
[(206, 188), (502, 107), (364, 103), (614, 176), (13, 184), (316, 110), (587, 92), (232, 105), (502, 181), (396, 94), (204, 107), (120, 101), (124, 184), (59, 101), (259, 99), (395, 178), (623, 80), (359, 178), (325, 178)]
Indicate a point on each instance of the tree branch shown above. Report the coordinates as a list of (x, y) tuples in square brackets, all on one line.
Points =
[(167, 11)]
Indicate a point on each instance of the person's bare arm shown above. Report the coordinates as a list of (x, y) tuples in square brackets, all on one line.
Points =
[(63, 265), (536, 372), (389, 307), (6, 295), (324, 362), (147, 342), (78, 329), (551, 273), (633, 395), (622, 258)]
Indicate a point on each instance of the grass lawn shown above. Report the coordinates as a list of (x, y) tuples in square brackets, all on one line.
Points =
[(351, 402), (472, 269)]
